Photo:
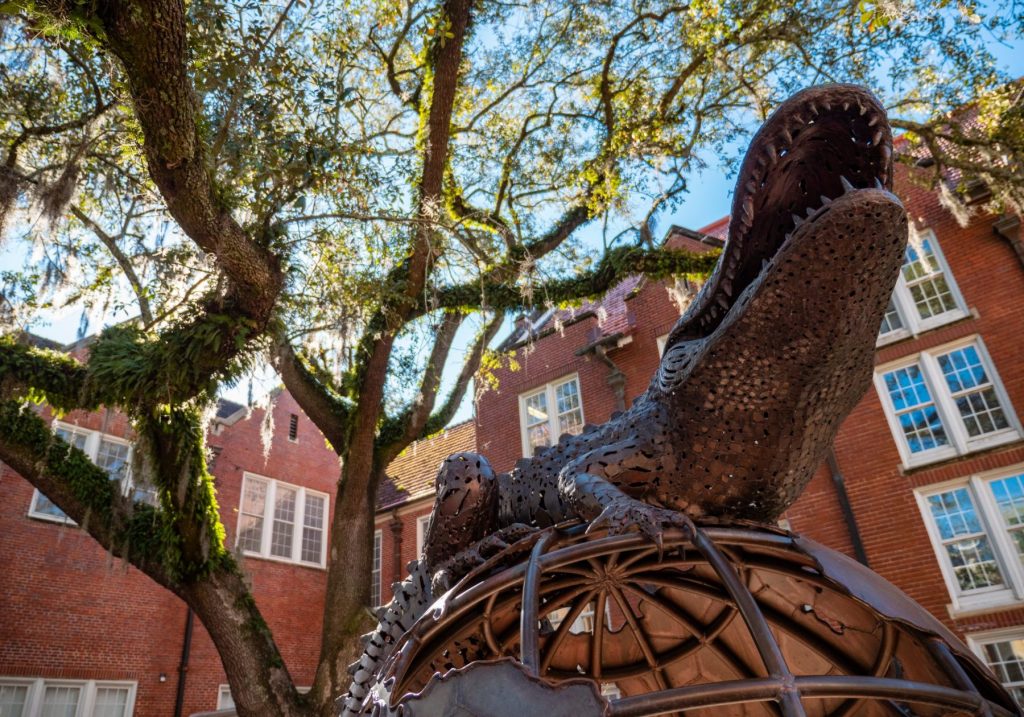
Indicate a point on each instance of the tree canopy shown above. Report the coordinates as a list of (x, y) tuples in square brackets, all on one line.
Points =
[(342, 187)]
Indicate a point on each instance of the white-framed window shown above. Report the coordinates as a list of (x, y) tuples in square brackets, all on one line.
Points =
[(375, 574), (111, 453), (225, 701), (976, 526), (281, 521), (547, 412), (422, 523), (925, 295), (37, 697), (1003, 652), (944, 402)]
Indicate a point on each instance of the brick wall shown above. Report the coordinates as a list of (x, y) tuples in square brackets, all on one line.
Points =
[(72, 611)]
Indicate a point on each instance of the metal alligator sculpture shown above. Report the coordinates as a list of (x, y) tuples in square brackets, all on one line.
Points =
[(755, 379)]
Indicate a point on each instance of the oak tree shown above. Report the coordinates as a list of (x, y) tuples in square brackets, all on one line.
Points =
[(344, 188)]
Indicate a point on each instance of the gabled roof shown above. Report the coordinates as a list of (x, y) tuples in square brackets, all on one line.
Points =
[(411, 475), (611, 310)]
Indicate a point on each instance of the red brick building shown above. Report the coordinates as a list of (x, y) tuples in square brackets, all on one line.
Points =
[(84, 634), (926, 481)]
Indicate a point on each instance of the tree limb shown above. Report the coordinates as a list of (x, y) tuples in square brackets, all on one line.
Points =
[(330, 412), (614, 266)]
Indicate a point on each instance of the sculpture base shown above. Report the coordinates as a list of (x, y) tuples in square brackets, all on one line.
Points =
[(734, 619)]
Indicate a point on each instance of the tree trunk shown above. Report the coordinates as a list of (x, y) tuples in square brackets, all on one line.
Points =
[(349, 562), (259, 679)]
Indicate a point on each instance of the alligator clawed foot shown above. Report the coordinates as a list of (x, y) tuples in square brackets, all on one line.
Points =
[(467, 560), (625, 514)]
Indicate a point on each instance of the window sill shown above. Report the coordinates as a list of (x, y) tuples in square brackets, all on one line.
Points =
[(284, 561), (905, 334), (977, 446), (47, 518), (983, 604)]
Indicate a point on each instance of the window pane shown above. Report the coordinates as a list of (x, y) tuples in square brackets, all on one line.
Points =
[(44, 505), (12, 700), (918, 418), (537, 409), (966, 545), (539, 436), (972, 391), (926, 282), (224, 699), (570, 414), (250, 526), (974, 564), (254, 499), (313, 529), (75, 438), (284, 523), (891, 321), (60, 701), (1006, 659), (113, 458), (375, 576), (110, 702)]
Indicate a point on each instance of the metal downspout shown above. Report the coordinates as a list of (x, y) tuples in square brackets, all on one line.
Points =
[(186, 650), (844, 505)]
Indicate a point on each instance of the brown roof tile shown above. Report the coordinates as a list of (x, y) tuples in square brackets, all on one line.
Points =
[(411, 475)]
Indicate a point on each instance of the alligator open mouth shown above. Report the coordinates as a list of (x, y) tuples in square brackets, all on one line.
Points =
[(821, 144)]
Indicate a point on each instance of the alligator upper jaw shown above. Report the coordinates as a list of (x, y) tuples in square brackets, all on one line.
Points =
[(817, 146)]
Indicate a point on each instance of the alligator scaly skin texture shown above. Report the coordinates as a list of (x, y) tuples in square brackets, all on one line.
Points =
[(757, 375)]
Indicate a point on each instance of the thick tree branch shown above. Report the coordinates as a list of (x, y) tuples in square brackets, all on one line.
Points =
[(150, 41), (399, 432), (329, 411), (616, 265), (82, 490)]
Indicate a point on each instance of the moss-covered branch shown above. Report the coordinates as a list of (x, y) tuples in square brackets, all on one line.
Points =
[(42, 375), (615, 266), (86, 493)]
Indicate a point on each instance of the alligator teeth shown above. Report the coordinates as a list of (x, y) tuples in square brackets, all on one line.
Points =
[(771, 150), (873, 120), (862, 109), (748, 207), (887, 153), (826, 105), (797, 221), (825, 200), (787, 135), (846, 106), (723, 302), (847, 187), (813, 108), (877, 137), (726, 286), (811, 211), (878, 183)]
